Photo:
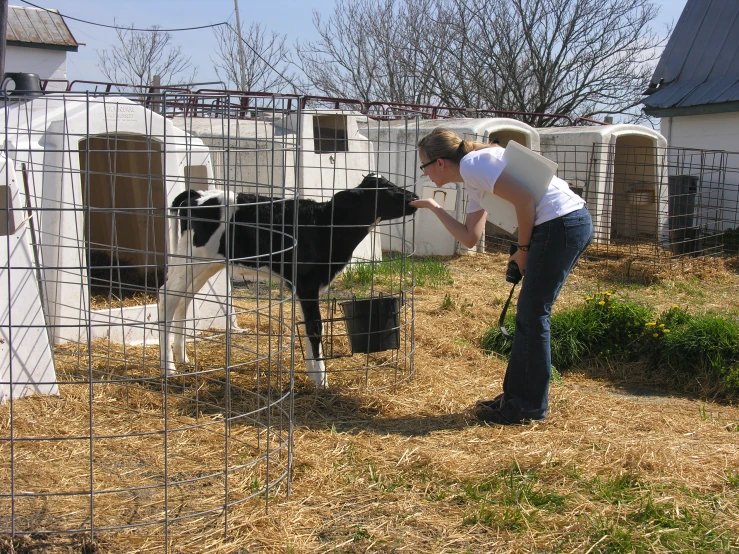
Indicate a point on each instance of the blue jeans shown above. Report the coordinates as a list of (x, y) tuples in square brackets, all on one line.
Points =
[(555, 247)]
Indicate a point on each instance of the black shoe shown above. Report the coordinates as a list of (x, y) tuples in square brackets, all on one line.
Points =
[(495, 403), (487, 414), (494, 415)]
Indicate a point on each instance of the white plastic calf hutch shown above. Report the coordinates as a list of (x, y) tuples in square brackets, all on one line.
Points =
[(618, 170), (90, 177), (100, 172), (395, 144), (26, 362), (318, 151)]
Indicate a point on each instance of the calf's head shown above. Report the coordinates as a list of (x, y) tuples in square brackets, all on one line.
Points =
[(387, 200)]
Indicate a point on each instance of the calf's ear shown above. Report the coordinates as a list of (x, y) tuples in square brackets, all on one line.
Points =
[(369, 182)]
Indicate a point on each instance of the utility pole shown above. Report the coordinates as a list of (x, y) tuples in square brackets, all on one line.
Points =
[(156, 83), (242, 62), (3, 35)]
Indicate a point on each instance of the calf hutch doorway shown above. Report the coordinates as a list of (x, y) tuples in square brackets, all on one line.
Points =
[(635, 186), (618, 171), (124, 206)]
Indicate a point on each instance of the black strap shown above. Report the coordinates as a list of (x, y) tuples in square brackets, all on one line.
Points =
[(501, 322)]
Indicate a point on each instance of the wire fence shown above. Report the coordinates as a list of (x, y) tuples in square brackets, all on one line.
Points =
[(101, 440), (652, 205), (111, 442)]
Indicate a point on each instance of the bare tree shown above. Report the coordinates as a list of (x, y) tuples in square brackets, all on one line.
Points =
[(340, 63), (143, 54), (367, 51), (265, 64), (585, 58), (577, 57)]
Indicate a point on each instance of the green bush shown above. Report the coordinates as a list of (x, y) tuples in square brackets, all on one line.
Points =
[(495, 341), (690, 346), (615, 329), (602, 327), (704, 343), (731, 378), (570, 332), (673, 317)]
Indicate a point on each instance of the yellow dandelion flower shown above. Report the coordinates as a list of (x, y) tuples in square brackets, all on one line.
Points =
[(675, 307), (601, 303), (665, 330), (651, 324), (655, 335), (608, 293), (661, 325)]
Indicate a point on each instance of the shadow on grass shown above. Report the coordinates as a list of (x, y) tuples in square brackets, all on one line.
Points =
[(346, 413), (638, 380)]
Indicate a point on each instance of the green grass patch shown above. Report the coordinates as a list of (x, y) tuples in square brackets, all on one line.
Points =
[(397, 272), (616, 489), (626, 512), (432, 271), (692, 287), (689, 347), (509, 499)]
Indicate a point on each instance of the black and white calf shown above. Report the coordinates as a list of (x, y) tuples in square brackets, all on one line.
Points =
[(260, 236)]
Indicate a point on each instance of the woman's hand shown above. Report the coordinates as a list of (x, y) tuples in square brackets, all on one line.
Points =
[(425, 203), (520, 258)]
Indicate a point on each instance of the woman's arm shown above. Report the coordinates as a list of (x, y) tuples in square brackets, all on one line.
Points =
[(468, 233)]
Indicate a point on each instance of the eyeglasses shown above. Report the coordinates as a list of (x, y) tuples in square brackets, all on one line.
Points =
[(422, 167)]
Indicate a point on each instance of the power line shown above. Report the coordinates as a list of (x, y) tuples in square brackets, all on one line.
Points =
[(151, 30), (210, 26)]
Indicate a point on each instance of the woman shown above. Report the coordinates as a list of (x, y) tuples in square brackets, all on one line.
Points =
[(551, 237)]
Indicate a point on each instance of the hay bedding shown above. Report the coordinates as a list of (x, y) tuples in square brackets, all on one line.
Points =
[(374, 470), (131, 417)]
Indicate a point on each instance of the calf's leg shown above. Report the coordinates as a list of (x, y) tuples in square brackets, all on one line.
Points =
[(167, 304), (314, 365), (182, 284)]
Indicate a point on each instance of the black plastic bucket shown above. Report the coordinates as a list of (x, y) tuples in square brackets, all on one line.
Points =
[(25, 84), (373, 324)]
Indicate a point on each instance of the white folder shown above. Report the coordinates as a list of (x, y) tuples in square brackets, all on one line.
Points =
[(526, 167)]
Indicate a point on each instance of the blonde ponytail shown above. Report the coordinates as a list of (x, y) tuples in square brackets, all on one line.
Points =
[(444, 143)]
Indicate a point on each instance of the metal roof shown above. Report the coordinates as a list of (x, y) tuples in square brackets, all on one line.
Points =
[(699, 69), (39, 28)]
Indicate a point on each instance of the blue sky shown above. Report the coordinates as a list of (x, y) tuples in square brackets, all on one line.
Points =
[(291, 17)]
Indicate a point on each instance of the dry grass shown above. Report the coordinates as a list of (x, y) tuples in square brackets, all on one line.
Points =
[(102, 302), (615, 468)]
